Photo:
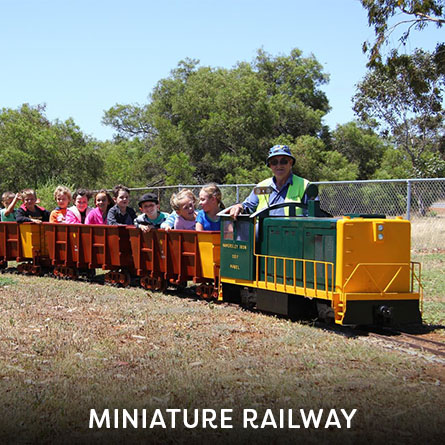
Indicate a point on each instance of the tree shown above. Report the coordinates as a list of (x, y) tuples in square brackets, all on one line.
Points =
[(417, 14), (125, 162), (316, 162), (293, 84), (395, 164), (240, 169), (361, 146), (403, 99), (219, 117), (179, 170), (210, 113), (130, 120), (35, 150)]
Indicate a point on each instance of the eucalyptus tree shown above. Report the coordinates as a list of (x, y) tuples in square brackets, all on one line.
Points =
[(35, 150), (222, 120), (361, 146), (403, 100), (389, 16)]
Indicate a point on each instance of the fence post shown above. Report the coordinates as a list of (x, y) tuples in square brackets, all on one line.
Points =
[(408, 199), (237, 193)]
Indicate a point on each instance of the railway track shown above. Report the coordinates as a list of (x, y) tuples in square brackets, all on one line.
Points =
[(411, 341), (402, 340)]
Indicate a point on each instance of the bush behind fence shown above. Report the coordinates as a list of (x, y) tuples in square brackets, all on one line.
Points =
[(420, 200)]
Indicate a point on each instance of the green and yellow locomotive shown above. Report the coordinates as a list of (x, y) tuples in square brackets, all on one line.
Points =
[(356, 270)]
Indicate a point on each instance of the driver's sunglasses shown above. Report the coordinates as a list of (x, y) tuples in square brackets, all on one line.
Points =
[(282, 161)]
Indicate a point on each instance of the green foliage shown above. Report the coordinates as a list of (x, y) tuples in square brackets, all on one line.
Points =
[(403, 99), (242, 170), (395, 164), (223, 121), (316, 163), (432, 164), (335, 167), (418, 14), (125, 162), (402, 95), (6, 281), (179, 170), (35, 150), (362, 147), (205, 124), (129, 120), (293, 85), (45, 193)]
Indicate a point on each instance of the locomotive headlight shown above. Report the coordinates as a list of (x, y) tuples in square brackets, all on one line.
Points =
[(378, 229)]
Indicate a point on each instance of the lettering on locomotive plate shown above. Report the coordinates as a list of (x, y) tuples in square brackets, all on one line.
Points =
[(234, 246), (230, 246), (235, 256), (234, 266)]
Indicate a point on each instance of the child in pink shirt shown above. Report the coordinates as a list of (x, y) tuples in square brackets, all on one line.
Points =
[(103, 202), (79, 211)]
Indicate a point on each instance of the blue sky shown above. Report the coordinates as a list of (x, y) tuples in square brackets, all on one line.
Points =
[(81, 57)]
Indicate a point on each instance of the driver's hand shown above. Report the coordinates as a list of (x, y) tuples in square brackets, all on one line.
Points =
[(236, 210)]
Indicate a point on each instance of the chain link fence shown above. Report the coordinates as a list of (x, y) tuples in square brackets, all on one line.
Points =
[(231, 193), (420, 200)]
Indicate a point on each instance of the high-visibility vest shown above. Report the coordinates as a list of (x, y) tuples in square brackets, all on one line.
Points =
[(294, 193)]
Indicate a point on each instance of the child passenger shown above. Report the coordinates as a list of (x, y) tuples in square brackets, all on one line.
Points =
[(29, 211), (62, 195), (151, 217), (183, 203), (210, 202), (121, 214), (78, 213), (103, 202), (9, 201), (169, 223)]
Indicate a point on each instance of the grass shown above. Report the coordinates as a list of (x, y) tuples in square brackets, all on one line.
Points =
[(428, 241), (67, 347), (428, 234), (6, 281), (433, 278)]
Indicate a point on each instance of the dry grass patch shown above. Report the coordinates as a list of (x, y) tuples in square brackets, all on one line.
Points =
[(66, 347), (428, 234)]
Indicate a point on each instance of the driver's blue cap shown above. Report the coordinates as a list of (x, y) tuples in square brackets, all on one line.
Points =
[(280, 150)]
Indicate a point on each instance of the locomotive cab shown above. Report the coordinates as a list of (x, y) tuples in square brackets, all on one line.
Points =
[(272, 256)]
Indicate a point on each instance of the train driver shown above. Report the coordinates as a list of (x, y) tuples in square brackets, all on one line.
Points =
[(286, 187)]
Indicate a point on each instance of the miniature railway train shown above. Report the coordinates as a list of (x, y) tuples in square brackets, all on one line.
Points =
[(354, 270)]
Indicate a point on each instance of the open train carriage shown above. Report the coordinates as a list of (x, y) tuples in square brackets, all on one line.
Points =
[(10, 245), (81, 249), (354, 269), (177, 257), (26, 244)]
